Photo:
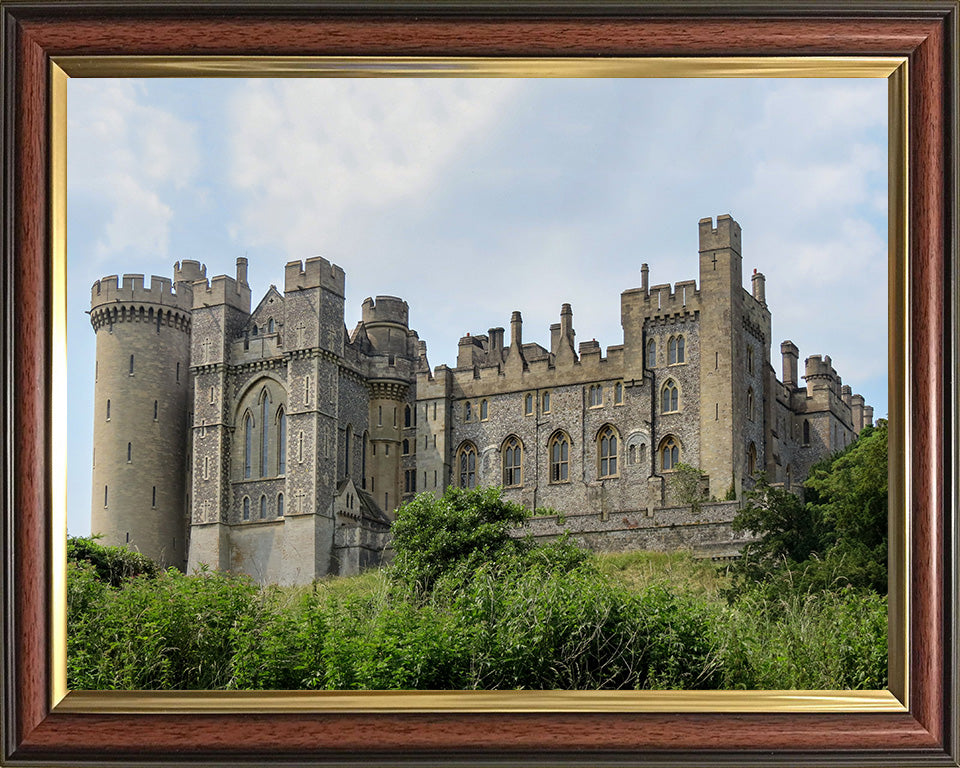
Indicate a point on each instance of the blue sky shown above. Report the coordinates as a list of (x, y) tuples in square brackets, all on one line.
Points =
[(471, 198)]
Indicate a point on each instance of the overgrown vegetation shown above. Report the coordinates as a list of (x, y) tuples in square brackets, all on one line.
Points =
[(467, 606)]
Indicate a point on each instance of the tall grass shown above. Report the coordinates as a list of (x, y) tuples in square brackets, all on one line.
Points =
[(637, 621)]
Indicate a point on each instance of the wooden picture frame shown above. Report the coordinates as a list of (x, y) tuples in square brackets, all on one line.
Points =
[(38, 731)]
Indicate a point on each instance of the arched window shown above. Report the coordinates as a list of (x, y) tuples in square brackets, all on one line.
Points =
[(467, 465), (406, 447), (483, 410), (651, 354), (607, 451), (407, 417), (680, 349), (675, 350), (512, 455), (752, 459), (467, 411), (528, 404), (348, 438), (669, 453), (247, 445), (281, 442), (596, 395), (246, 507), (270, 326), (279, 505), (263, 507), (750, 403), (806, 432), (546, 402), (559, 450), (669, 397), (264, 433), (618, 393)]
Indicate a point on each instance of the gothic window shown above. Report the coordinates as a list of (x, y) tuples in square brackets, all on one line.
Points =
[(264, 432), (270, 326), (559, 450), (618, 393), (254, 330), (263, 507), (752, 460), (651, 354), (806, 432), (750, 403), (348, 438), (595, 395), (669, 397), (279, 505), (607, 451), (410, 481), (675, 350), (669, 453), (406, 447), (407, 416), (483, 410), (467, 411), (512, 455), (247, 445), (546, 402), (281, 442), (528, 404), (467, 465)]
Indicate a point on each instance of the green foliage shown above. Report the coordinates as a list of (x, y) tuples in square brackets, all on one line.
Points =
[(687, 484), (112, 564), (835, 539)]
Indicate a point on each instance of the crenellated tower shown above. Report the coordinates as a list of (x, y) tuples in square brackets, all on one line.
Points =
[(143, 393)]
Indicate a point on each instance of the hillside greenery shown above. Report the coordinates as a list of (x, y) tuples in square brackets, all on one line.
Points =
[(465, 605)]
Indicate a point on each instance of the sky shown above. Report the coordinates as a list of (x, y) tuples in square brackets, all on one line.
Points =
[(471, 198)]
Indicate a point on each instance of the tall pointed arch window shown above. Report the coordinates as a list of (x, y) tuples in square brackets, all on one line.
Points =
[(675, 350), (669, 453), (607, 445), (264, 434), (752, 460), (669, 397), (281, 441), (651, 354), (806, 432), (247, 445), (246, 507), (467, 466), (512, 461), (263, 507), (750, 404), (559, 450)]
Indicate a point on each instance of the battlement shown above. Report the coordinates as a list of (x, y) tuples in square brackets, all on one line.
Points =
[(316, 272), (110, 290), (386, 309), (817, 367), (222, 289), (668, 298), (725, 235)]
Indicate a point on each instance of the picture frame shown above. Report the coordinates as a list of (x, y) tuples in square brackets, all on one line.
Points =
[(40, 726)]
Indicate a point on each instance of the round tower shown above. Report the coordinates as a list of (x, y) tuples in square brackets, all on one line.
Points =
[(142, 396)]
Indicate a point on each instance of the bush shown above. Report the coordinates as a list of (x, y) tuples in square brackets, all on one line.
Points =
[(112, 564)]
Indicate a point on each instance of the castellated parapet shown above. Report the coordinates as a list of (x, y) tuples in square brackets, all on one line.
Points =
[(280, 447)]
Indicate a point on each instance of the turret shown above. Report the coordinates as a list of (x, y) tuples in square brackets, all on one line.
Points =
[(142, 395), (759, 287)]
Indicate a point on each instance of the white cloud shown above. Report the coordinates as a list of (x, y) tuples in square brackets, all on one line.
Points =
[(127, 159), (311, 157)]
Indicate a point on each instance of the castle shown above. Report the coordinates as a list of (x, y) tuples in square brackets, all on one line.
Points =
[(277, 444)]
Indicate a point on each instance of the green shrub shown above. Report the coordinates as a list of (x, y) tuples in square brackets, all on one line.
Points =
[(112, 564)]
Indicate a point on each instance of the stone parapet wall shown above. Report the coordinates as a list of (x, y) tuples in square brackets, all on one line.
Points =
[(707, 534)]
